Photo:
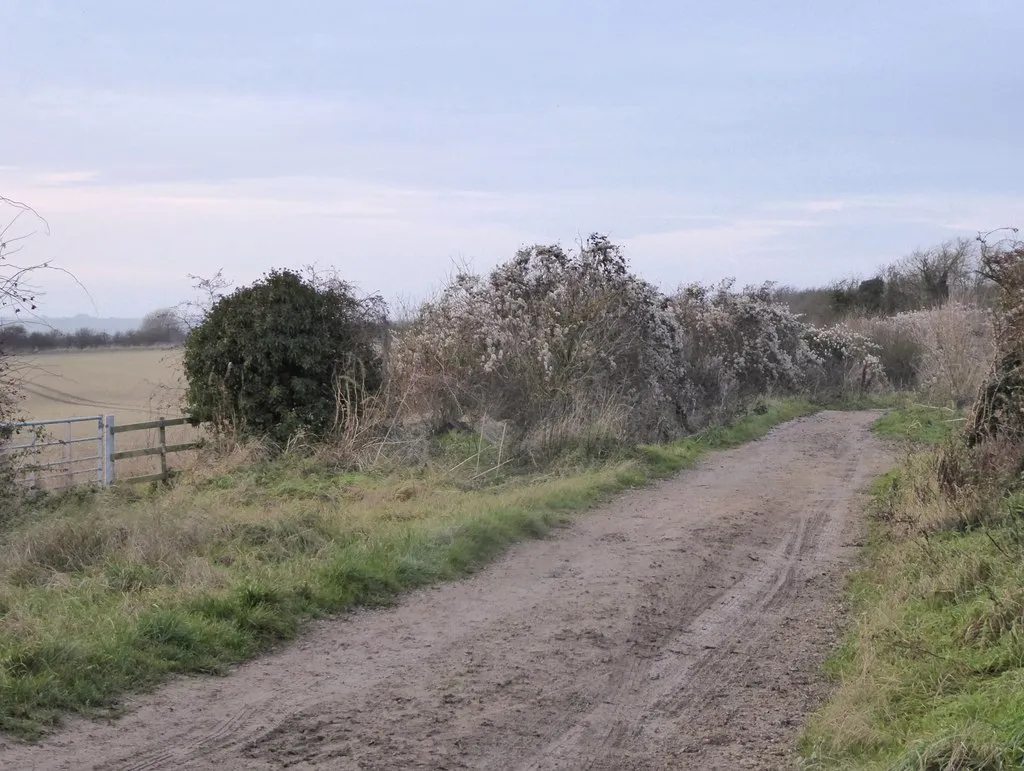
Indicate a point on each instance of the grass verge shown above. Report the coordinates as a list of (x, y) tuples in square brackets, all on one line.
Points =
[(919, 423), (111, 593), (931, 676)]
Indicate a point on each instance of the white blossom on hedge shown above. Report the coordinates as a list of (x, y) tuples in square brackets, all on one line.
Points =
[(552, 333)]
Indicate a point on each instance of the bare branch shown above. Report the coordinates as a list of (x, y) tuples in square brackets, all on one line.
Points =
[(25, 208)]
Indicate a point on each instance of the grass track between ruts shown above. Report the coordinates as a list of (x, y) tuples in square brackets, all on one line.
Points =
[(931, 674), (109, 593)]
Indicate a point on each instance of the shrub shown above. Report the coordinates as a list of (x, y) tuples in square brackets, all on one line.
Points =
[(8, 414), (842, 363), (17, 299), (288, 354), (561, 345), (898, 348), (741, 345), (814, 306), (547, 335), (851, 296), (999, 410), (737, 345)]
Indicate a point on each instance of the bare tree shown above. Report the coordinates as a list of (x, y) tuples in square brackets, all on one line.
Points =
[(17, 295), (191, 313), (930, 275), (164, 325)]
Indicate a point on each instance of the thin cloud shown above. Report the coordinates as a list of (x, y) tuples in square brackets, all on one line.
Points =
[(386, 139)]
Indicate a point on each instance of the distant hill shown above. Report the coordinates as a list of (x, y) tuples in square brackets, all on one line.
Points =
[(74, 323)]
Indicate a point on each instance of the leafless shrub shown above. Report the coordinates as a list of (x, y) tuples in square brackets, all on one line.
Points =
[(898, 348), (999, 410), (545, 335), (17, 301), (556, 343), (926, 278)]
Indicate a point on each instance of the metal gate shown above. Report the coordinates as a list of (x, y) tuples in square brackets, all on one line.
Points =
[(51, 457)]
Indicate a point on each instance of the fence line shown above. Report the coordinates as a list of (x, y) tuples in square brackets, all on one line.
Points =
[(162, 449), (42, 471), (106, 453)]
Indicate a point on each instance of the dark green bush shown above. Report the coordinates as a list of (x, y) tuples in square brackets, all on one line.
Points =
[(288, 354)]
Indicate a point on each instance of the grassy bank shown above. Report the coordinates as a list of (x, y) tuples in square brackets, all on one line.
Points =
[(918, 423), (110, 593), (931, 676)]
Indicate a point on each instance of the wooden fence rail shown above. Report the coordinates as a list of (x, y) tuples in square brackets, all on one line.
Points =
[(162, 449)]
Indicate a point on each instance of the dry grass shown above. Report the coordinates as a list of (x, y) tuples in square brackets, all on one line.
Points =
[(945, 353), (958, 346)]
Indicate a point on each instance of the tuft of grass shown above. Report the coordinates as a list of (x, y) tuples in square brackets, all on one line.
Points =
[(931, 675), (920, 423), (113, 592)]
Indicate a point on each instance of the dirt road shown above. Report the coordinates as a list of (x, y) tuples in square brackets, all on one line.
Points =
[(682, 626)]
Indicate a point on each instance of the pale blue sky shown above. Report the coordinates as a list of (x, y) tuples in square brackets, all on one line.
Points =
[(794, 140)]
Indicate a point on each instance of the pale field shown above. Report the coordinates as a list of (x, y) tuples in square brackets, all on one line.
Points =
[(133, 385)]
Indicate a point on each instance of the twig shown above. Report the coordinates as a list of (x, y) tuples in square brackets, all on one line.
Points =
[(480, 443), (994, 543), (493, 468), (463, 463)]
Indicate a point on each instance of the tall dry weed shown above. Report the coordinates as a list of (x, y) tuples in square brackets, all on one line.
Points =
[(943, 352), (956, 344)]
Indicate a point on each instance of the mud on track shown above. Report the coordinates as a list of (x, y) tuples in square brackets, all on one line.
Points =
[(681, 626)]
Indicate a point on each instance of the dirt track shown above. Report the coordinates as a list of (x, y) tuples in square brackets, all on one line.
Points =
[(682, 626)]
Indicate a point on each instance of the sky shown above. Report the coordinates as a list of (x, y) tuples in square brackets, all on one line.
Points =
[(797, 141)]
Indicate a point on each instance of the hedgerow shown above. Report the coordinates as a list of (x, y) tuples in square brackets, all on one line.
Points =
[(999, 410), (574, 338)]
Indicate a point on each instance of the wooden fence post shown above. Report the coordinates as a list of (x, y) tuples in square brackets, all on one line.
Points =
[(163, 450)]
